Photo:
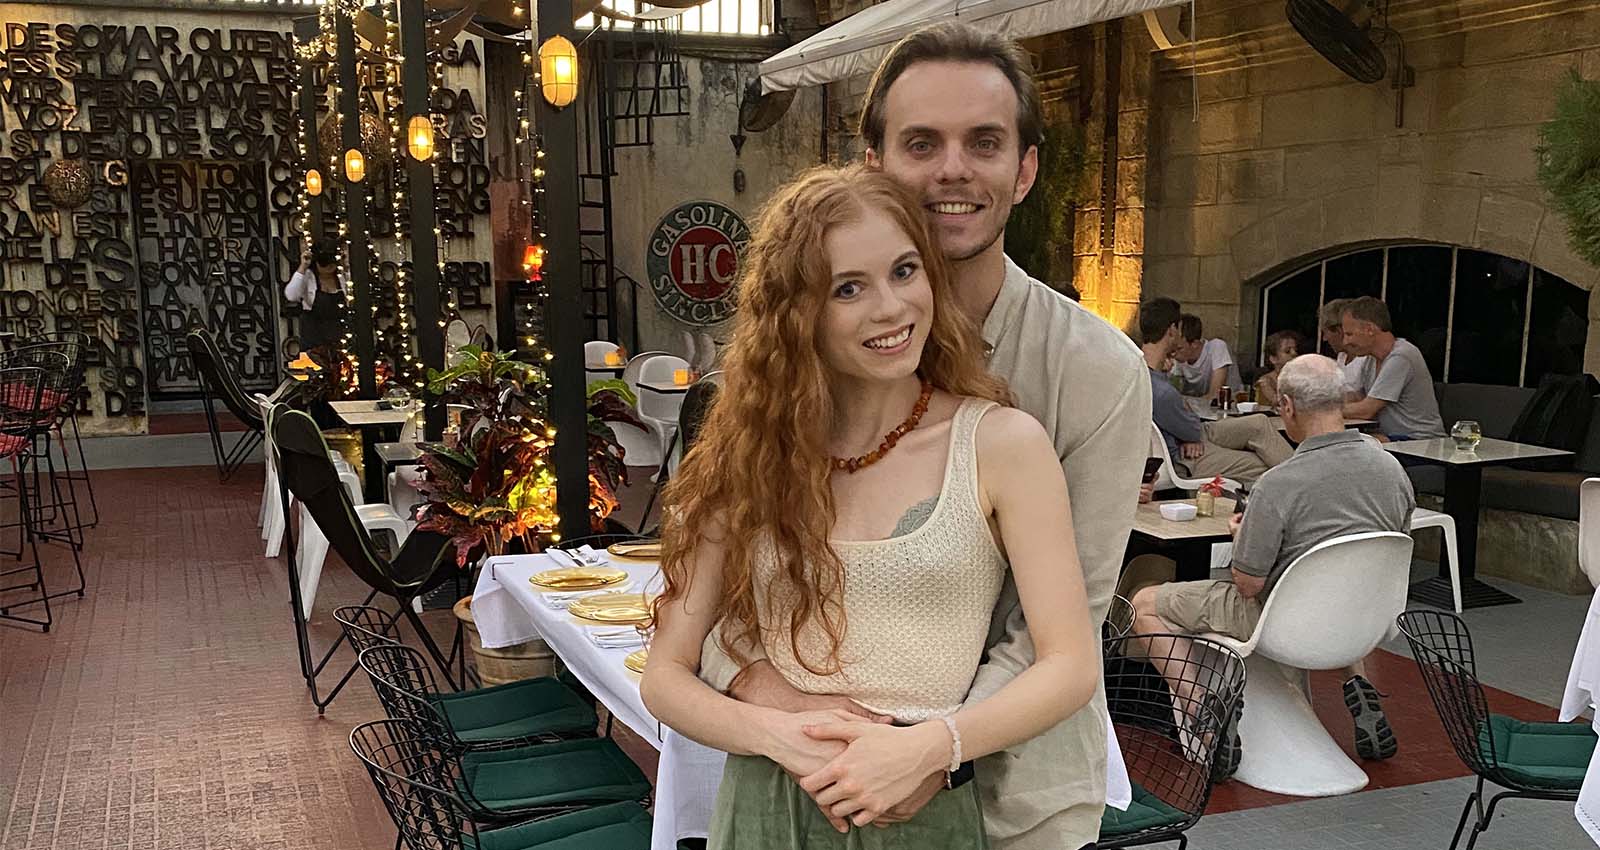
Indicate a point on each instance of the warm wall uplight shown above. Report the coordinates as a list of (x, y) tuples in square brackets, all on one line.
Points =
[(419, 138), (355, 166), (313, 182), (533, 260), (558, 71)]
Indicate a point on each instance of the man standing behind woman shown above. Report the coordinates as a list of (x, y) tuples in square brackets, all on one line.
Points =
[(953, 115)]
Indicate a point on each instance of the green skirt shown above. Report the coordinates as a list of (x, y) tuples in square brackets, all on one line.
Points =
[(760, 808)]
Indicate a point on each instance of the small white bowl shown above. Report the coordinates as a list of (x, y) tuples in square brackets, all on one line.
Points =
[(1178, 511), (1248, 407)]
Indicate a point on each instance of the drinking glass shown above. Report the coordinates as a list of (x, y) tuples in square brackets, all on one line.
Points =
[(398, 397), (1466, 433)]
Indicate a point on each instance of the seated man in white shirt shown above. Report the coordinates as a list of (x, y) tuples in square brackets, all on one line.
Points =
[(1331, 320), (1396, 387), (1205, 365)]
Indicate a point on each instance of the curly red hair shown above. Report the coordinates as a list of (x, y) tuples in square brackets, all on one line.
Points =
[(762, 477)]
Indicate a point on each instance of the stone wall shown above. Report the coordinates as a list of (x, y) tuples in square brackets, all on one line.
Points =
[(1285, 158)]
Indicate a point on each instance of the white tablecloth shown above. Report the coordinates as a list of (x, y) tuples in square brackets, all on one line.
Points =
[(1583, 694), (507, 610)]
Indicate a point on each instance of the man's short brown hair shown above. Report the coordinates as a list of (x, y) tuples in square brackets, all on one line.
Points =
[(1191, 327), (1369, 309), (952, 41)]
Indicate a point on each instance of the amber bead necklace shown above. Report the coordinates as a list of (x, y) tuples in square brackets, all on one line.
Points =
[(856, 464)]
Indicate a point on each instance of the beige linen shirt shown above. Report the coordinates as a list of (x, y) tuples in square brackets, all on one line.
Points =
[(1086, 383)]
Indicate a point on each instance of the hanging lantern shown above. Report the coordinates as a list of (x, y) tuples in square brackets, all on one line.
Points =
[(419, 138), (68, 183), (355, 166), (313, 182), (533, 261), (558, 71)]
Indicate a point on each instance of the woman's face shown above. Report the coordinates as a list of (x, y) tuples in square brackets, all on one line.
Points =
[(876, 318), (1286, 352)]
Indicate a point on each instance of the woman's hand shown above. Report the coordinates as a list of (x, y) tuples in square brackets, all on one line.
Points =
[(305, 263), (880, 766), (795, 751)]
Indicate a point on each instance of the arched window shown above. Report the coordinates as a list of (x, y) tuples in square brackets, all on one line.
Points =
[(1478, 317)]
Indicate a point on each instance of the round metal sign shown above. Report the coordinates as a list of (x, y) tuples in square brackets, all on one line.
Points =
[(693, 261)]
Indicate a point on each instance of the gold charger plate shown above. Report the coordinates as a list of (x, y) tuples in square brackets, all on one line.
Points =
[(579, 578), (650, 551), (635, 660), (613, 608)]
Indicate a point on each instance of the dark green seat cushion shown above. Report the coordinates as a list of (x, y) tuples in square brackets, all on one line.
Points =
[(521, 709), (1543, 755), (1147, 811), (589, 770), (619, 826)]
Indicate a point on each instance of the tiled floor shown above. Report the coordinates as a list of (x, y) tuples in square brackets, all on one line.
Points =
[(166, 710)]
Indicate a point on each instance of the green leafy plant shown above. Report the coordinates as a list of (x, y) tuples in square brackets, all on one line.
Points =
[(1041, 226), (1569, 163), (610, 400)]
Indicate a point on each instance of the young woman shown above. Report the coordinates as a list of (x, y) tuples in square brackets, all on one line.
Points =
[(867, 492), (316, 285), (1282, 347)]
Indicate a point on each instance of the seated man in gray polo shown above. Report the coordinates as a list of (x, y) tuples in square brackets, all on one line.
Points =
[(1337, 483), (1396, 388)]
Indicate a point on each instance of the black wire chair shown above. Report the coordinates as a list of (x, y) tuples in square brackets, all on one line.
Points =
[(79, 396), (404, 770), (21, 405), (527, 711), (56, 503), (423, 563), (1169, 740), (217, 382), (1534, 761), (502, 782)]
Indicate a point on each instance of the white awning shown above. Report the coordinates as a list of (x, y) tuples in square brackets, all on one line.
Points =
[(854, 46)]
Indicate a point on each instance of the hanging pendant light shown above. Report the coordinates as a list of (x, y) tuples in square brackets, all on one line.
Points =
[(558, 71), (355, 165), (313, 182), (419, 138)]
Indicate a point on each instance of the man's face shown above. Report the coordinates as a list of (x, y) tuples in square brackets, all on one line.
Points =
[(1189, 349), (1334, 337), (950, 134), (1358, 336)]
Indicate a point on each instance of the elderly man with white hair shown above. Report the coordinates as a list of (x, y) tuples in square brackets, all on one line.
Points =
[(1337, 483)]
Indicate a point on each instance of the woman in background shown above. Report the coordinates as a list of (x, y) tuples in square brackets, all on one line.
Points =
[(320, 291), (1282, 347)]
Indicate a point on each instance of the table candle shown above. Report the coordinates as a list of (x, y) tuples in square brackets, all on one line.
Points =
[(680, 376), (613, 358)]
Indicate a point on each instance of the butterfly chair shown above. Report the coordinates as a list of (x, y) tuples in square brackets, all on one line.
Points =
[(307, 473), (1534, 761), (1169, 740), (509, 783), (527, 711), (217, 382), (691, 417), (20, 407), (405, 772)]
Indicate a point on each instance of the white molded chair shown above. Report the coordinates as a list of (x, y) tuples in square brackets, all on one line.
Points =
[(1169, 476), (660, 410), (1589, 529), (1329, 609), (1424, 518), (595, 351), (314, 546)]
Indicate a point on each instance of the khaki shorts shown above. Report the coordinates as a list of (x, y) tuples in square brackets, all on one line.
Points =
[(1198, 607)]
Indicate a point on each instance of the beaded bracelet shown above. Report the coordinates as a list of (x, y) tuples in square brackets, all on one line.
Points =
[(955, 743)]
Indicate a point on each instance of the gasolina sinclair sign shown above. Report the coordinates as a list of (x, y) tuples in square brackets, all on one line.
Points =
[(693, 261)]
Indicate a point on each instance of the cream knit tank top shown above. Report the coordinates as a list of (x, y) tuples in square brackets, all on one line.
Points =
[(917, 606)]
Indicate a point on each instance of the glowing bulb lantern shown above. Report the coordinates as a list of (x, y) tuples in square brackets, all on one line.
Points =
[(533, 261), (355, 165), (558, 71), (313, 182), (419, 138)]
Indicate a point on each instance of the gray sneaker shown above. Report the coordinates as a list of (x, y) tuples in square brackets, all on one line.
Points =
[(1226, 760), (1374, 739)]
